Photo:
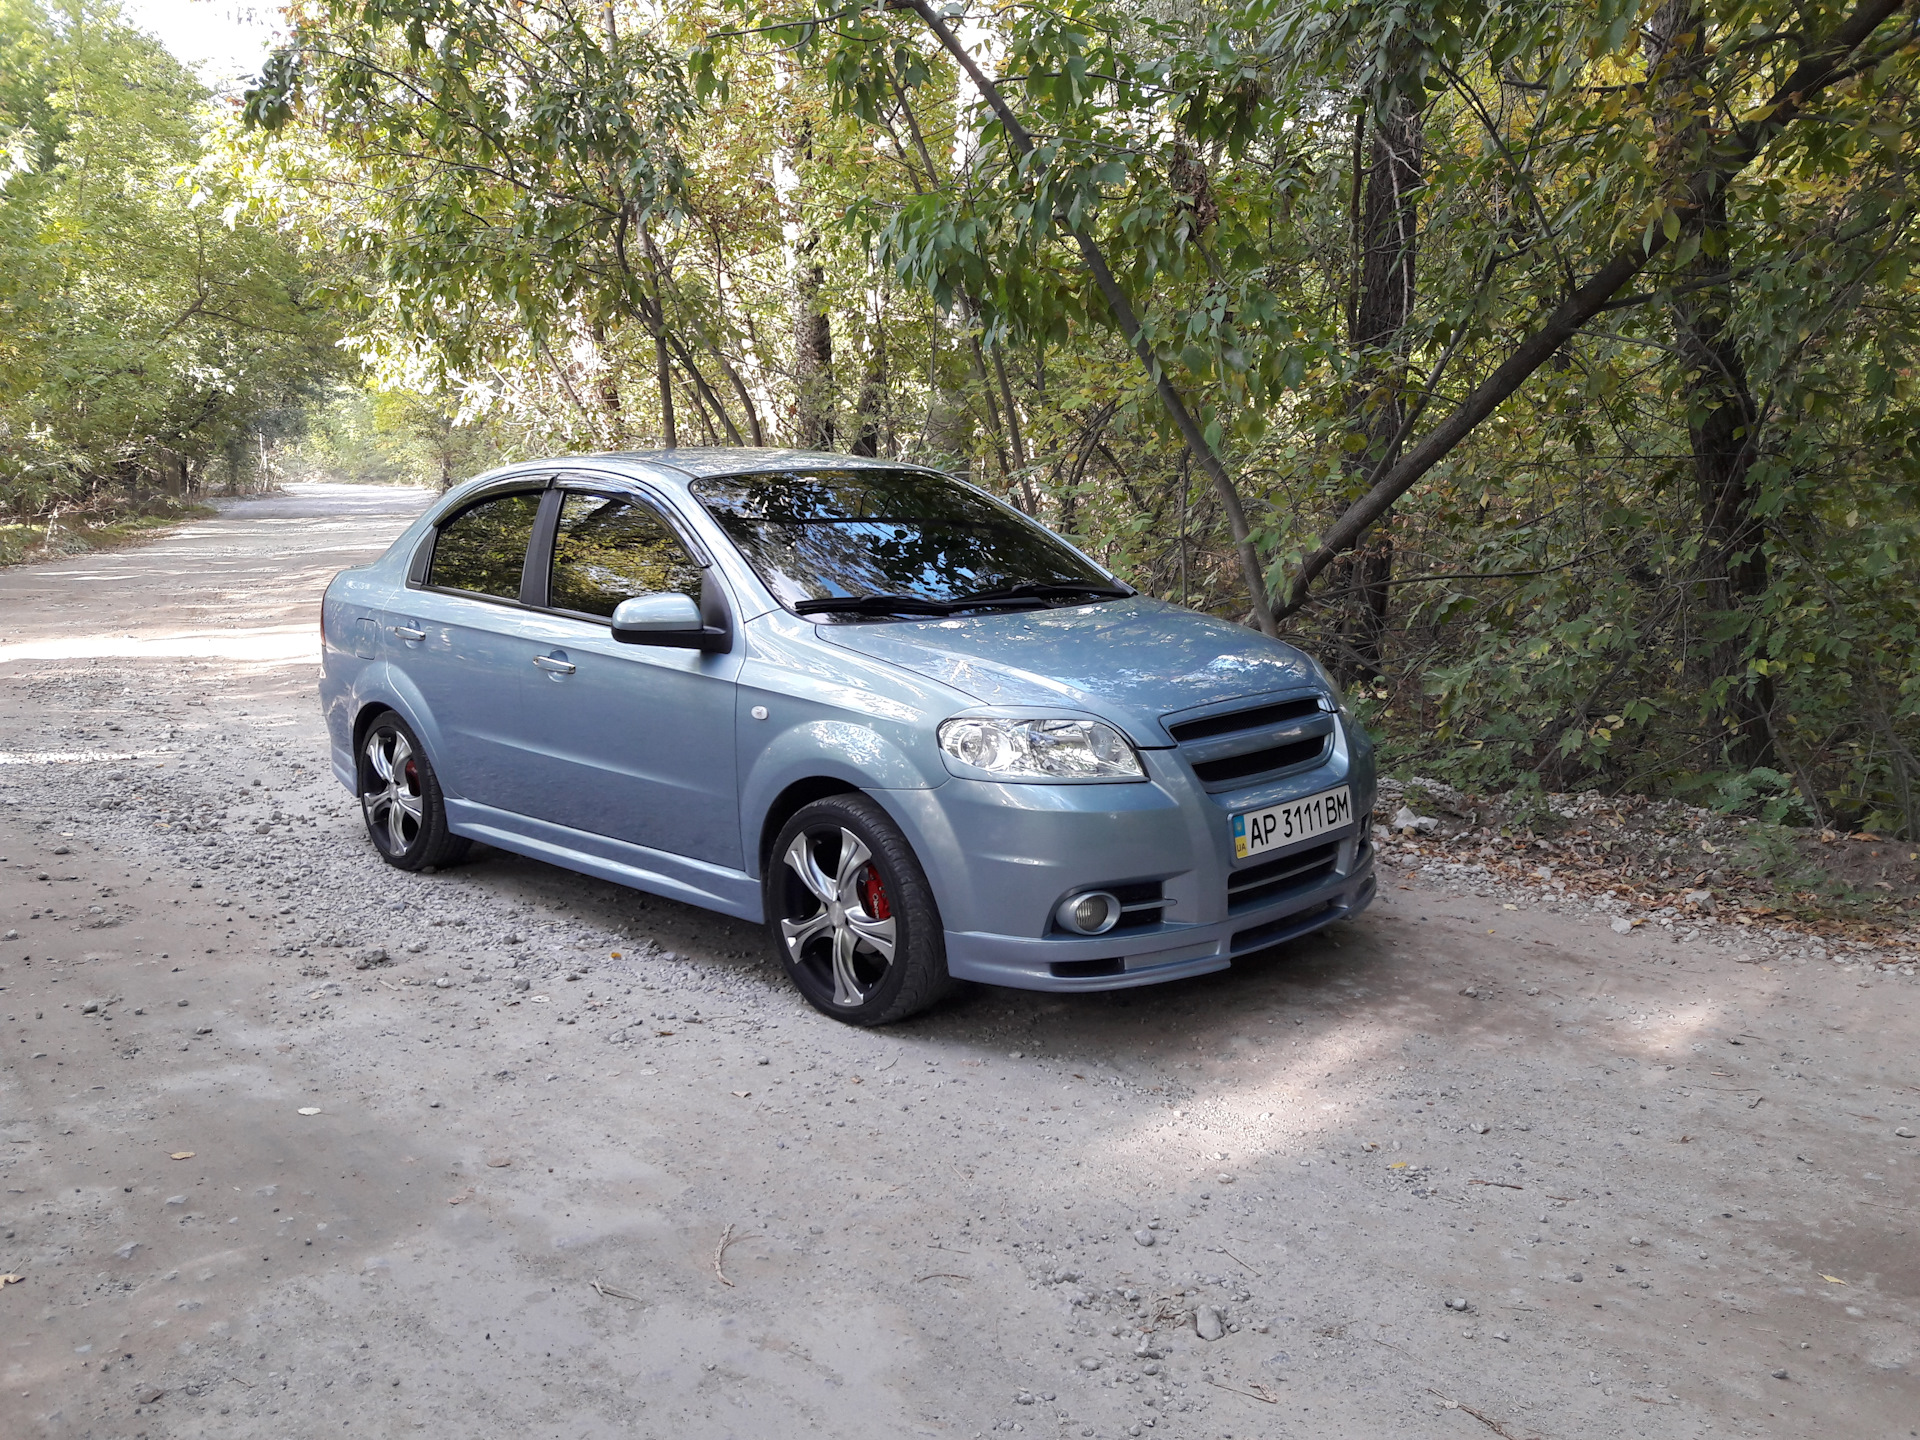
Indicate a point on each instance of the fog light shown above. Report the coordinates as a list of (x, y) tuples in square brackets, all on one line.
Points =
[(1094, 913)]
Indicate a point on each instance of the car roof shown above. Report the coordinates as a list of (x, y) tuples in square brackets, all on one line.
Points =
[(679, 466)]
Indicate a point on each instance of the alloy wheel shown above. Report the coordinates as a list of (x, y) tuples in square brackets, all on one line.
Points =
[(393, 801), (841, 923)]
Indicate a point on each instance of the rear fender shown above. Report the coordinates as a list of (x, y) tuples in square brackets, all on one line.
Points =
[(379, 687)]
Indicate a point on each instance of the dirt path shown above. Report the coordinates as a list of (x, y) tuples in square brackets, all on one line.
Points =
[(575, 1163)]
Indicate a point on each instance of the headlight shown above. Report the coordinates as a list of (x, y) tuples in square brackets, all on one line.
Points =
[(1040, 749)]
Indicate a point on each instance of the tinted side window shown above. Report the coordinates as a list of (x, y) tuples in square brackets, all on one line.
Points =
[(608, 549), (484, 549)]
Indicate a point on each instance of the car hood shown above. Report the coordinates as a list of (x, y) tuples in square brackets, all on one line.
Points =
[(1130, 661)]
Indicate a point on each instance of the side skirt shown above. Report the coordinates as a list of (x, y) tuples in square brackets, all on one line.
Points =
[(712, 887)]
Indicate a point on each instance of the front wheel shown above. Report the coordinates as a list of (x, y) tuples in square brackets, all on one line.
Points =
[(852, 916), (400, 799)]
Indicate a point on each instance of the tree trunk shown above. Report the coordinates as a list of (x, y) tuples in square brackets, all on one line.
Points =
[(985, 383), (812, 355), (1722, 418), (1386, 236), (703, 393), (1722, 428), (663, 371), (948, 431), (872, 404), (758, 435), (606, 386)]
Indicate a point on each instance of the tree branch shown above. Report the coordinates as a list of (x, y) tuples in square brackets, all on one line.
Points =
[(1122, 308), (1821, 67)]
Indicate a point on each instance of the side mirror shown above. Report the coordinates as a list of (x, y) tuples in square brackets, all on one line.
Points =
[(671, 620)]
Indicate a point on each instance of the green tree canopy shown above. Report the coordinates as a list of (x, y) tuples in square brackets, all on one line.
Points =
[(1550, 368), (146, 325)]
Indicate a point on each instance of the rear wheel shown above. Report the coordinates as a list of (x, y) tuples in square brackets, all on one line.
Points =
[(400, 799), (852, 916)]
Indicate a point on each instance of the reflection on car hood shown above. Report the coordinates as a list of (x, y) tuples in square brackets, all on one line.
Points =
[(1131, 661)]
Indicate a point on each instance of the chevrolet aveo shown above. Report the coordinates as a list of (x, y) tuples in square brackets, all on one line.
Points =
[(919, 736)]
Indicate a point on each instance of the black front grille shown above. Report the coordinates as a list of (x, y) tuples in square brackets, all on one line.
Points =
[(1188, 730), (1273, 880), (1262, 741), (1259, 762), (1141, 905)]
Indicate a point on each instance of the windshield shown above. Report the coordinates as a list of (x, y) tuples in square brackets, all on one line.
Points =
[(892, 542)]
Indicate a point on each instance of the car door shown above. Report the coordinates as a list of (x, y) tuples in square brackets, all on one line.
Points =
[(638, 739), (458, 635)]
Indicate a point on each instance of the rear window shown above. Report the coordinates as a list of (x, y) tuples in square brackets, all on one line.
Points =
[(483, 549)]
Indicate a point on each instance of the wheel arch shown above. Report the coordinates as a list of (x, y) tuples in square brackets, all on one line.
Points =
[(789, 802), (369, 715), (383, 689)]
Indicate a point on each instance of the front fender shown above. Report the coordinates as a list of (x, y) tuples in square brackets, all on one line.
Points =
[(863, 757)]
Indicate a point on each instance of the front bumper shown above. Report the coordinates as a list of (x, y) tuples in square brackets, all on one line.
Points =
[(1116, 962), (1001, 857)]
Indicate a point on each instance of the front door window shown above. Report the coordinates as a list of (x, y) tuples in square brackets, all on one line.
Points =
[(608, 549), (637, 740)]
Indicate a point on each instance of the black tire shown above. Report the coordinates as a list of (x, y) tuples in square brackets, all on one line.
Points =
[(810, 921), (400, 799)]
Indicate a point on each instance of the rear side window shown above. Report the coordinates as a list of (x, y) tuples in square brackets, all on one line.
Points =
[(608, 549), (484, 548)]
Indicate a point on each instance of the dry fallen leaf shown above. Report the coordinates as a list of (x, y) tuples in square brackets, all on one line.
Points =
[(309, 1110), (183, 1154), (1833, 1279), (743, 1094), (499, 1162)]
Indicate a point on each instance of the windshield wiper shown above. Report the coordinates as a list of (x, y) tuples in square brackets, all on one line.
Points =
[(1042, 590), (1026, 592), (873, 605)]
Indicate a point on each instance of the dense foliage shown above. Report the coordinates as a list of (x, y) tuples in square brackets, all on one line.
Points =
[(1548, 367), (148, 331)]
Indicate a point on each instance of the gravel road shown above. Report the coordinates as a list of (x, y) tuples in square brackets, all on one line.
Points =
[(308, 1147)]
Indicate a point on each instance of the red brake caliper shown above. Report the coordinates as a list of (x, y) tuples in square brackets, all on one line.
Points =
[(873, 894)]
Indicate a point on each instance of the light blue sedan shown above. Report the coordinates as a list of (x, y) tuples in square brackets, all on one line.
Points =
[(919, 736)]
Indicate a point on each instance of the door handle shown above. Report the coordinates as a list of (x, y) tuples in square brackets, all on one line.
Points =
[(553, 666), (407, 632)]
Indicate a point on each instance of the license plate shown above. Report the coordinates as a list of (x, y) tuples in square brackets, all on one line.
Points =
[(1278, 825)]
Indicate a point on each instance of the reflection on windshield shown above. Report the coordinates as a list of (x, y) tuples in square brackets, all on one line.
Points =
[(838, 533)]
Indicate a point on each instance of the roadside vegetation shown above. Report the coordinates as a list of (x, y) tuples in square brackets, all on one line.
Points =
[(1548, 369), (104, 526), (154, 339)]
